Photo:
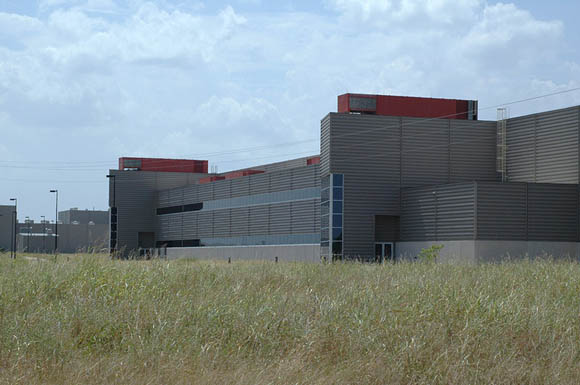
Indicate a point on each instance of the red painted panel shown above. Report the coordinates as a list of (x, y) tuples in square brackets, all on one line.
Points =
[(209, 179), (313, 160), (239, 174), (409, 106), (164, 165)]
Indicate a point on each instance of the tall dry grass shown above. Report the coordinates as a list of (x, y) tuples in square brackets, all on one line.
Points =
[(90, 320)]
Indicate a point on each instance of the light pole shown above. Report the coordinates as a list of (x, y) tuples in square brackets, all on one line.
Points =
[(43, 221), (15, 218), (27, 221), (113, 220), (55, 223)]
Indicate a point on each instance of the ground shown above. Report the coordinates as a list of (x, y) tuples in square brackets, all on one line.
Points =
[(87, 319)]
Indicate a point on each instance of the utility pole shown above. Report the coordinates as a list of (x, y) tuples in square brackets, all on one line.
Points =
[(15, 215), (55, 224)]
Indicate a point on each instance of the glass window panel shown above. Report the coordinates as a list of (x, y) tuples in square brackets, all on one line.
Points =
[(337, 234), (337, 220), (324, 235), (337, 193), (336, 248), (324, 221), (324, 244), (337, 180), (325, 182), (337, 207), (324, 208)]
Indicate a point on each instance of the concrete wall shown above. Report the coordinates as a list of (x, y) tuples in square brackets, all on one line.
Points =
[(71, 238), (489, 251), (285, 253)]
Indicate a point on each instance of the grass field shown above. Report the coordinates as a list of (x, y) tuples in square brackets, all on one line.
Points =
[(89, 320)]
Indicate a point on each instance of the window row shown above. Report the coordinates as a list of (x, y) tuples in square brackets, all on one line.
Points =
[(250, 240), (246, 201)]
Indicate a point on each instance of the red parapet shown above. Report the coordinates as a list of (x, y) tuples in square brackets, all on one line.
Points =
[(313, 160), (415, 107), (163, 165), (209, 179), (239, 174)]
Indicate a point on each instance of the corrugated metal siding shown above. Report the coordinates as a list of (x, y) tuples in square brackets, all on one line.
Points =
[(557, 146), (544, 147), (425, 152), (325, 146), (280, 218), (501, 211), (472, 156), (438, 212), (552, 212), (365, 148)]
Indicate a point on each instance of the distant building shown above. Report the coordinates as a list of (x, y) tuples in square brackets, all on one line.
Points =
[(74, 215), (394, 175), (6, 227)]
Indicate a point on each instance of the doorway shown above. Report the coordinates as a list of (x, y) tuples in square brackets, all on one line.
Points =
[(384, 252)]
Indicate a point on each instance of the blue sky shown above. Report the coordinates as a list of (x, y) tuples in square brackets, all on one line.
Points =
[(83, 82)]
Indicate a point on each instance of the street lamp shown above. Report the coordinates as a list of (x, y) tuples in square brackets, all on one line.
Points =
[(113, 220), (15, 219), (43, 221), (27, 221), (55, 223)]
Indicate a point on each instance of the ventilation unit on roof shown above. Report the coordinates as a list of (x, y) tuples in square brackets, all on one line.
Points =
[(501, 148)]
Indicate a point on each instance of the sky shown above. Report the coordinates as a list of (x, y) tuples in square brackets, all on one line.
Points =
[(246, 82)]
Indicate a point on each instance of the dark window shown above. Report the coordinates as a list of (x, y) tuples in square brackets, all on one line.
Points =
[(324, 235), (337, 180), (113, 227), (169, 210), (337, 193), (113, 219), (113, 243), (113, 235), (193, 207), (191, 243), (113, 210), (337, 208), (337, 220), (337, 234), (336, 247), (324, 195), (324, 244)]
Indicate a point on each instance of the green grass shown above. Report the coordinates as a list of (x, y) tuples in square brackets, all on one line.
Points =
[(91, 320)]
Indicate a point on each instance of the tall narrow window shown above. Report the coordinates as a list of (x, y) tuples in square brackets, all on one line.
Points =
[(331, 221)]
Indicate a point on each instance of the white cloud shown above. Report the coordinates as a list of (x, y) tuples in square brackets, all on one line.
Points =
[(105, 79)]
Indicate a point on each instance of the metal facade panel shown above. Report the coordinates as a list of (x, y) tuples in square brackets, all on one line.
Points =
[(544, 147), (204, 192), (552, 212), (259, 183), (520, 149), (280, 217), (365, 148), (259, 220), (501, 211), (205, 224), (425, 152), (221, 189), (239, 221), (189, 230), (221, 223), (418, 214), (302, 219), (304, 177), (190, 194), (281, 180), (557, 146), (473, 151), (455, 211), (239, 187), (325, 146)]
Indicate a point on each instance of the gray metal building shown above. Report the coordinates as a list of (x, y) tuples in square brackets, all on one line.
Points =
[(385, 187), (74, 215), (6, 227)]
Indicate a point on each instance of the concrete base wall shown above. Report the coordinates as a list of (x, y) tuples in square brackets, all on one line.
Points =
[(286, 253), (489, 251), (452, 251)]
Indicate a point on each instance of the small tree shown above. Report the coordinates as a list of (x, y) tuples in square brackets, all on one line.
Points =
[(430, 254)]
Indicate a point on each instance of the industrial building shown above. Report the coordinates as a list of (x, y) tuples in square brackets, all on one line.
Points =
[(394, 175)]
